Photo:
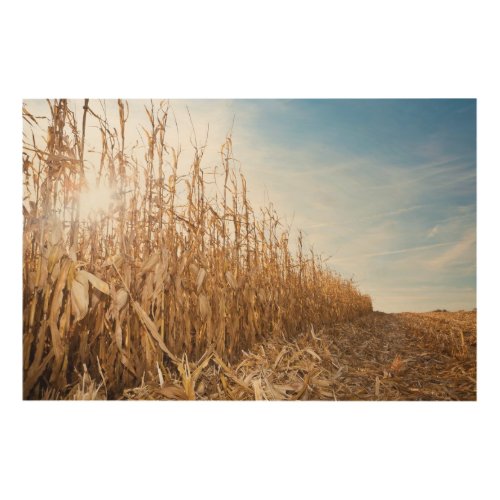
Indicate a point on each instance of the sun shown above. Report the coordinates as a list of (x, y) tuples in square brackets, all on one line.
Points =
[(96, 200)]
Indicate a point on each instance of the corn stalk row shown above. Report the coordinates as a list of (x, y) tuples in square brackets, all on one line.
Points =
[(179, 265)]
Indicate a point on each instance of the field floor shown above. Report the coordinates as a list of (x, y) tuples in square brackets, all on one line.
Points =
[(407, 356)]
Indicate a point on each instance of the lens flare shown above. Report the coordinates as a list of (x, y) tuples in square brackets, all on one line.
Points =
[(96, 200)]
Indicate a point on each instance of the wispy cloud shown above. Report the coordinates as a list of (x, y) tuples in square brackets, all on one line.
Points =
[(462, 250), (394, 212), (433, 232), (401, 251)]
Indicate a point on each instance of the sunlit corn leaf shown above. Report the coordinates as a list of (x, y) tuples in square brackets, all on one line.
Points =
[(257, 387), (199, 279), (115, 260), (204, 306), (121, 298), (151, 328), (172, 392), (79, 299), (55, 254), (96, 282), (150, 262), (231, 281)]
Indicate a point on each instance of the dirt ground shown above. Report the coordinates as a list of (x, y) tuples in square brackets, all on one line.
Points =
[(406, 356), (409, 357)]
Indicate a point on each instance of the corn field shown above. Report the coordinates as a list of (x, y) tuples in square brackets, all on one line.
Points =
[(180, 263)]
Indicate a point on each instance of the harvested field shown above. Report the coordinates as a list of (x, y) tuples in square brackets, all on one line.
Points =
[(409, 356), (148, 277)]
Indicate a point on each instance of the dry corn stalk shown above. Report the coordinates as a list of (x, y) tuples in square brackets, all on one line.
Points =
[(172, 268)]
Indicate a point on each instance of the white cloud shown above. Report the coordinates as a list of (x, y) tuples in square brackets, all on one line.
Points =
[(403, 250), (463, 251), (432, 232)]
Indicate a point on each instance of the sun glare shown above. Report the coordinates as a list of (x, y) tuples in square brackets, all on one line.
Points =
[(96, 200)]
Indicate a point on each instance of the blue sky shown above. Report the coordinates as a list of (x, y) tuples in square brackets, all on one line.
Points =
[(387, 188)]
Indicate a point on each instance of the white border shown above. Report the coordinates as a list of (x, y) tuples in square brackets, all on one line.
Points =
[(248, 450)]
